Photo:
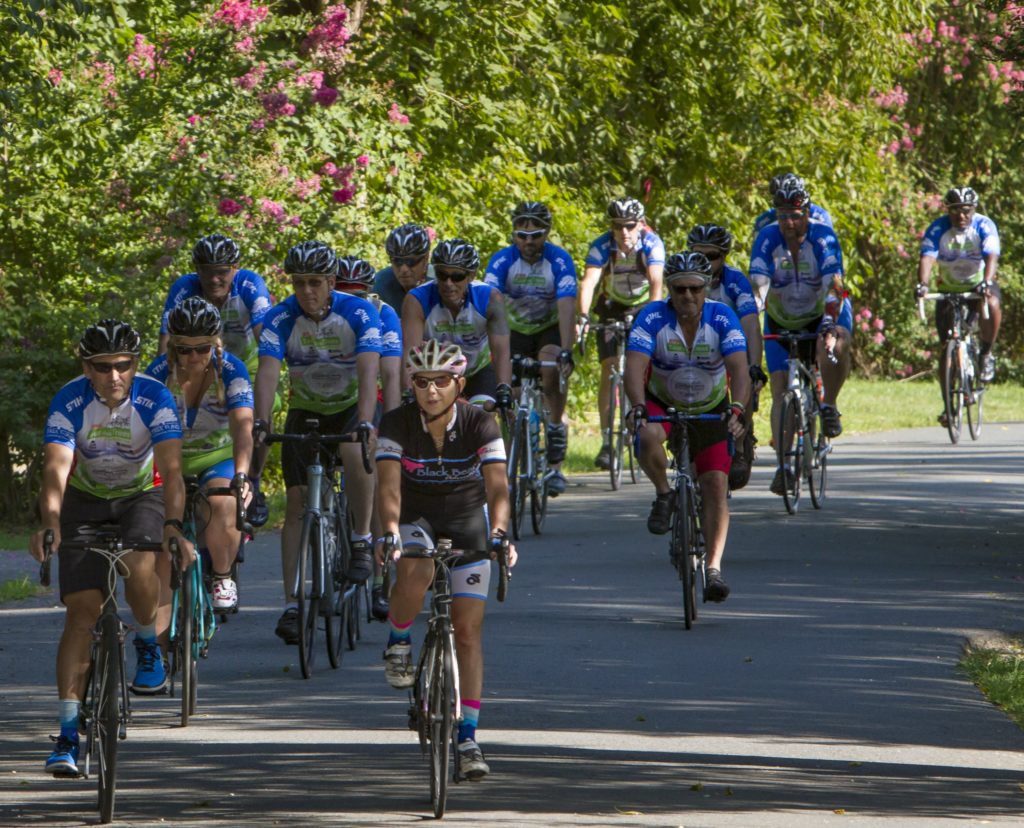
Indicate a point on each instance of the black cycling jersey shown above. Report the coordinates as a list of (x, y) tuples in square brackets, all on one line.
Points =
[(433, 480)]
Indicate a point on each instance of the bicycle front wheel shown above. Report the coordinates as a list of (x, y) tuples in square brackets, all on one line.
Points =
[(817, 458), (306, 597), (953, 392), (518, 469), (334, 604), (441, 715), (974, 393), (791, 451), (186, 648), (108, 712), (617, 431), (683, 542)]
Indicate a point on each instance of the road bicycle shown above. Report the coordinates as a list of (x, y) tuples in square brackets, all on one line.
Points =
[(193, 617), (803, 446), (435, 708), (106, 709), (320, 587), (528, 472), (962, 391), (616, 433), (686, 545)]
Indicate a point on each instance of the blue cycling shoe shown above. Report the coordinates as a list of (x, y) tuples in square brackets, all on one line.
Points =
[(150, 675), (64, 759), (556, 483)]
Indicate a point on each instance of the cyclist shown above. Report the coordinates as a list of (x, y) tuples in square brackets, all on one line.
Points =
[(408, 248), (242, 298), (214, 397), (627, 264), (801, 262), (355, 276), (104, 432), (538, 280), (441, 461), (817, 212), (731, 287), (966, 247), (331, 344), (455, 309), (689, 353)]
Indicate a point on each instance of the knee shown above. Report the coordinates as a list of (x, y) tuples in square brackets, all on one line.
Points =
[(83, 608), (467, 634)]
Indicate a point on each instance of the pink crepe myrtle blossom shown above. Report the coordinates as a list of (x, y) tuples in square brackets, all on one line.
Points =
[(327, 42), (55, 76), (878, 338), (246, 45), (272, 209), (277, 105), (395, 115), (325, 96), (252, 78), (363, 160), (240, 15), (313, 80), (344, 195), (143, 57), (229, 207), (304, 188)]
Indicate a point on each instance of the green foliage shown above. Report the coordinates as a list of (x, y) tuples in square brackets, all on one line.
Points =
[(1000, 676)]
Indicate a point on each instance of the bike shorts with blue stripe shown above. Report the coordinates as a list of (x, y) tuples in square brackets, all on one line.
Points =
[(471, 579), (776, 354)]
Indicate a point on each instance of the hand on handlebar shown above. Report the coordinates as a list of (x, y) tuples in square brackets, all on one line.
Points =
[(241, 484), (260, 430), (390, 545), (734, 420), (920, 290), (503, 396), (566, 361), (497, 541), (187, 549), (637, 417), (984, 288), (37, 543), (758, 377)]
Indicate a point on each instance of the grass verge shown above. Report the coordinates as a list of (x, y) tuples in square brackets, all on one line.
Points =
[(18, 589), (999, 674)]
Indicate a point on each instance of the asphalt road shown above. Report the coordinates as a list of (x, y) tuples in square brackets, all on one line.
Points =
[(826, 688)]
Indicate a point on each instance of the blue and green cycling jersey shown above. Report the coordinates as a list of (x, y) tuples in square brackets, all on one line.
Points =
[(960, 254), (467, 328), (532, 291), (624, 272)]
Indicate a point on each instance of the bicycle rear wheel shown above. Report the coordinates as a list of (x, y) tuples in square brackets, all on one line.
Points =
[(108, 712), (308, 603), (352, 622), (791, 449), (616, 430), (816, 458), (952, 393), (441, 717), (518, 466)]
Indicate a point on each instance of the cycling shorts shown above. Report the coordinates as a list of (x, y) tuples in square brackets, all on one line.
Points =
[(224, 469), (481, 387), (608, 342), (295, 456), (139, 516), (944, 312), (776, 353), (529, 345), (709, 441), (471, 579)]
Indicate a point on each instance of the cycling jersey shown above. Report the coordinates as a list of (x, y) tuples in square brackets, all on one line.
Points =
[(693, 379), (243, 310), (733, 289), (113, 448), (797, 293), (624, 273), (817, 213), (468, 329), (445, 482), (532, 290), (390, 327), (207, 433), (387, 286), (321, 356), (960, 253)]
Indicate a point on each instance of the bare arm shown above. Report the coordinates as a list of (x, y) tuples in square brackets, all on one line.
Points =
[(991, 259), (389, 494), (367, 370), (161, 347), (167, 455), (496, 484), (391, 382), (752, 331), (413, 322), (587, 286), (654, 276), (567, 322), (267, 376), (739, 377), (57, 462), (240, 425), (924, 269), (498, 338), (636, 371)]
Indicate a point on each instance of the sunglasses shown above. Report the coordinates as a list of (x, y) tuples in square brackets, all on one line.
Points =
[(452, 275), (629, 225), (681, 289), (406, 261), (529, 235), (715, 256), (423, 383), (184, 350), (789, 216), (312, 282), (121, 367)]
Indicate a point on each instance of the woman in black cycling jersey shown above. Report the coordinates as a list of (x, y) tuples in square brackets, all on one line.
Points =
[(440, 462)]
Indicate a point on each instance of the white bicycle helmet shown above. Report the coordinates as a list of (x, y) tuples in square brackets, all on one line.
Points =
[(434, 356)]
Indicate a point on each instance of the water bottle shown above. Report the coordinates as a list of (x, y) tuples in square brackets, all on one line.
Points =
[(534, 431)]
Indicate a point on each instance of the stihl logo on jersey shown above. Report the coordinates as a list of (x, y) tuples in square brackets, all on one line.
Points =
[(364, 317)]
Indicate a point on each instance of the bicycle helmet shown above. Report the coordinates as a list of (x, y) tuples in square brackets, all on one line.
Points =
[(625, 209), (792, 195), (710, 235), (215, 249), (355, 271), (408, 241), (457, 253), (312, 258), (109, 337), (194, 317), (688, 264), (534, 211), (958, 196), (434, 355), (785, 178)]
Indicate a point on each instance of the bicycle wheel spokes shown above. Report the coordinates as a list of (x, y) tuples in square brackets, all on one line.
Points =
[(680, 552), (616, 431), (791, 448), (441, 718), (308, 605), (953, 391), (816, 459), (108, 713), (974, 393), (186, 636), (519, 475), (334, 605)]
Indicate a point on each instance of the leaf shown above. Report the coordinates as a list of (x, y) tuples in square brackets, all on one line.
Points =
[(698, 786)]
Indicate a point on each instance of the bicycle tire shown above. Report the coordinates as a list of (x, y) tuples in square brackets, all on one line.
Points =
[(817, 459), (616, 431), (334, 603), (975, 395), (952, 392), (308, 605), (791, 450), (539, 489), (518, 467), (108, 713), (679, 553), (186, 634), (634, 467), (441, 717)]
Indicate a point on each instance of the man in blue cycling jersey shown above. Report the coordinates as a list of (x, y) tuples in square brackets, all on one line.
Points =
[(408, 248), (817, 212), (538, 281), (965, 246)]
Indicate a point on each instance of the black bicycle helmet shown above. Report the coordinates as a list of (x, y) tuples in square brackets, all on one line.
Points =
[(407, 241), (534, 211), (109, 337), (710, 235), (958, 196), (792, 195), (215, 249), (688, 264), (311, 258), (457, 253), (785, 178), (355, 271), (625, 209), (194, 317)]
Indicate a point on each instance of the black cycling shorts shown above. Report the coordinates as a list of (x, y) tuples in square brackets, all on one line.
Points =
[(483, 383), (449, 517), (295, 456), (529, 345), (944, 312), (608, 311)]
